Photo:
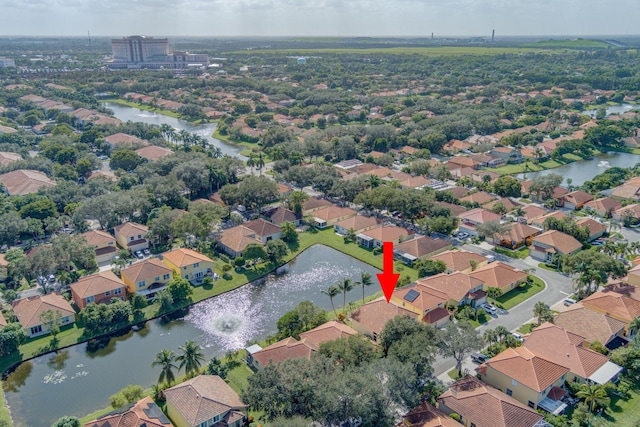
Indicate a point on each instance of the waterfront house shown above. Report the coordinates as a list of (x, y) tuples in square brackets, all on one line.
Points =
[(422, 247), (104, 245), (146, 277), (332, 330), (206, 400), (313, 204), (459, 288), (189, 264), (552, 242), (427, 303), (98, 288), (132, 236), (374, 237), (499, 275), (357, 223), (264, 230), (144, 412), (288, 348), (481, 405), (509, 154), (29, 311), (234, 240), (369, 319), (461, 260), (280, 215), (527, 377), (329, 215)]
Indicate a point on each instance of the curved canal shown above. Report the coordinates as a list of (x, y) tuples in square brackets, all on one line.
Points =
[(76, 382)]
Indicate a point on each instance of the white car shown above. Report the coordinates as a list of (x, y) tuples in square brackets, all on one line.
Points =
[(517, 336), (491, 309)]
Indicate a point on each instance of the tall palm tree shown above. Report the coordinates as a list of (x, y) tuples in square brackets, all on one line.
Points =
[(251, 162), (501, 332), (634, 326), (216, 152), (365, 280), (345, 286), (260, 162), (490, 336), (594, 395), (165, 360), (191, 358), (331, 292)]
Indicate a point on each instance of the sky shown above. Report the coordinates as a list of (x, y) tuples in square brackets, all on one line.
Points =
[(318, 17)]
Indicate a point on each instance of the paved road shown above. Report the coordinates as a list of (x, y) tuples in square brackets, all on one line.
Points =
[(558, 287)]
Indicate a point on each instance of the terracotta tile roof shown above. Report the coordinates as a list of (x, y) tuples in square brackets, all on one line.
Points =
[(313, 203), (202, 398), (455, 210), (153, 152), (629, 210), (591, 324), (625, 289), (558, 240), (421, 246), (387, 233), (262, 228), (594, 226), (604, 204), (28, 310), (7, 157), (7, 129), (329, 331), (458, 192), (3, 322), (458, 260), (98, 238), (455, 285), (486, 406), (499, 275), (182, 257), (331, 212), (428, 298), (555, 214), (533, 211), (131, 229), (518, 232), (614, 304), (415, 182), (146, 270), (435, 315), (358, 222), (479, 216), (238, 238), (97, 283), (288, 348), (24, 181), (481, 198), (123, 138), (280, 215), (426, 415), (577, 197), (3, 261), (141, 413), (375, 314), (528, 368), (567, 349)]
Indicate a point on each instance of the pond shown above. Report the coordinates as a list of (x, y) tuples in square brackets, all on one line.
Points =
[(77, 382), (585, 170), (126, 113), (613, 109)]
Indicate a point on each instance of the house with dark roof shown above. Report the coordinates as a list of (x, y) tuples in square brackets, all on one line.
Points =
[(422, 247), (29, 311), (99, 288), (264, 230), (206, 400), (144, 412), (280, 215), (482, 405)]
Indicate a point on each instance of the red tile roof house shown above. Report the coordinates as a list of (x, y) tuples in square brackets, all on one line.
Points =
[(549, 243), (482, 405), (596, 229), (459, 288), (234, 240), (358, 223), (517, 235), (426, 415), (24, 181), (123, 140), (470, 219), (144, 412), (369, 319), (374, 237), (153, 152), (104, 245), (206, 400), (98, 288), (592, 325), (604, 206), (132, 236), (29, 310), (461, 260), (499, 275), (575, 199), (422, 247), (425, 302), (328, 216)]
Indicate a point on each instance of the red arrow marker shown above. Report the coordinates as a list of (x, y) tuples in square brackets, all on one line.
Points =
[(387, 278)]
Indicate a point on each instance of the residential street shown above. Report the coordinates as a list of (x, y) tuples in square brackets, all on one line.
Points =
[(558, 287)]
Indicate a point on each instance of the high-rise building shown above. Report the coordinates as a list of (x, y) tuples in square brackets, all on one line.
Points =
[(6, 62), (148, 52)]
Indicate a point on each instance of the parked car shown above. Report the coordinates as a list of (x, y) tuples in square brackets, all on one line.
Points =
[(52, 278), (479, 358), (138, 254), (491, 309), (517, 336), (463, 235), (146, 252)]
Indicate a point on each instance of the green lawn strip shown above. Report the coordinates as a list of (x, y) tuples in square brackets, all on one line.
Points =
[(145, 107), (544, 266), (453, 374), (622, 413), (520, 253), (5, 415), (526, 328), (519, 294)]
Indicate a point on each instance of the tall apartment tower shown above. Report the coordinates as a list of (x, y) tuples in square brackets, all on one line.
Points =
[(139, 49), (493, 35)]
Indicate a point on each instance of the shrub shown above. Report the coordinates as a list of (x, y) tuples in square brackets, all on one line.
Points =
[(226, 276), (226, 267), (238, 262)]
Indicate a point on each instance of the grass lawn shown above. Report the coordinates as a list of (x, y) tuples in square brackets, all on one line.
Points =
[(532, 167), (570, 44), (526, 328), (520, 253), (5, 416), (453, 374), (622, 413), (517, 295), (544, 266)]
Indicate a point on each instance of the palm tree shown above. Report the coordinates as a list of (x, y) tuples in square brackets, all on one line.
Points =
[(251, 162), (216, 152), (331, 292), (345, 286), (165, 360), (374, 181), (501, 332), (365, 280), (594, 395), (490, 336), (494, 293), (634, 326), (185, 136), (191, 357), (541, 311), (260, 162)]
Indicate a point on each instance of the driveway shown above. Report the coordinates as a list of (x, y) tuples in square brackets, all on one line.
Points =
[(558, 287)]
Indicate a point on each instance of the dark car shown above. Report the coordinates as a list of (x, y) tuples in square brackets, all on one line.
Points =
[(479, 358)]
